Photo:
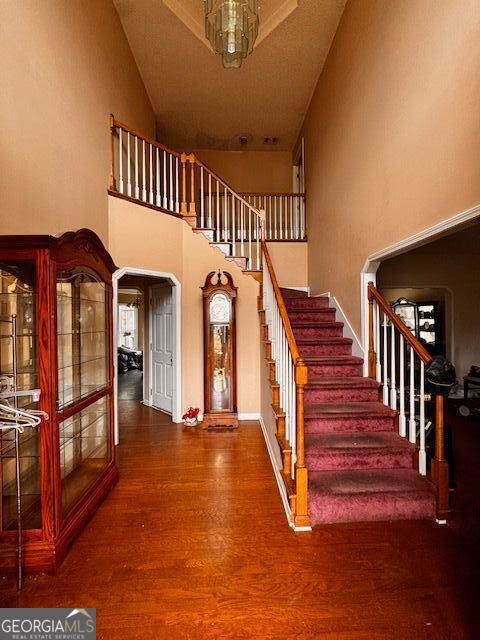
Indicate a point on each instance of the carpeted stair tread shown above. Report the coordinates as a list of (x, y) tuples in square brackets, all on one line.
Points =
[(357, 450), (323, 340), (332, 359), (337, 382), (307, 324), (367, 495), (361, 409), (301, 303)]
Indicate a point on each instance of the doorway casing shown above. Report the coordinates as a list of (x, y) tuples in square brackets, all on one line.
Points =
[(177, 323), (372, 263)]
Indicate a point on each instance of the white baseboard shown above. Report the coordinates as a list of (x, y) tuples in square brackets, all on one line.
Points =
[(281, 487), (249, 416)]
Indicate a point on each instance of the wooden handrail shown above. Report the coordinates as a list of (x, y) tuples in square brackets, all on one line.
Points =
[(417, 346), (137, 134), (225, 184), (281, 306), (272, 194)]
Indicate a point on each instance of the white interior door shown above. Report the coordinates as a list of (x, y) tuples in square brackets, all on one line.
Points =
[(162, 347)]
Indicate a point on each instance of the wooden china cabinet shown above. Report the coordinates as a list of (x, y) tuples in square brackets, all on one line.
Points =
[(60, 292)]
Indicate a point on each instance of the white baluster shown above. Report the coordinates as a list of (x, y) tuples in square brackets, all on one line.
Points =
[(393, 376), (274, 215), (150, 175), (202, 198), (257, 241), (250, 264), (289, 204), (242, 228), (170, 181), (165, 197), (129, 180), (218, 236), (225, 216), (158, 200), (412, 426), (422, 454), (402, 421), (120, 160), (144, 178), (177, 185), (377, 343), (210, 221), (233, 225), (385, 361), (137, 184)]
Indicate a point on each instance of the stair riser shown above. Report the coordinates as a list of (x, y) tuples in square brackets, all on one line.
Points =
[(361, 508), (317, 332), (292, 293), (348, 423), (314, 316), (335, 370), (319, 394), (306, 303), (334, 461), (325, 349)]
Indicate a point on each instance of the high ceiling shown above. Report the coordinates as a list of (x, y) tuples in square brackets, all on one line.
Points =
[(198, 103)]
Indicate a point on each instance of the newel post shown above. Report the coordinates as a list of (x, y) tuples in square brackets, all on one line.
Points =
[(372, 356), (301, 518), (192, 210), (439, 463), (111, 182)]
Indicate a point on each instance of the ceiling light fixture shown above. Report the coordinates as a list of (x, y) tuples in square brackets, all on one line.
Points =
[(231, 26)]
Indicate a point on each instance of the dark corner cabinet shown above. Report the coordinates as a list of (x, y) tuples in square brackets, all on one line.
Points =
[(60, 292)]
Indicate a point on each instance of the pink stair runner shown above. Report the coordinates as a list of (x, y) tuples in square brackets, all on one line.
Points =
[(359, 467)]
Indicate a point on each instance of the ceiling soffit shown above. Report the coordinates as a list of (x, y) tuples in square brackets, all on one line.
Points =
[(272, 14)]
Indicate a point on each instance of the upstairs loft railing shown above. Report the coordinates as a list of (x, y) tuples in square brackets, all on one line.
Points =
[(285, 217), (397, 360), (146, 171), (291, 375)]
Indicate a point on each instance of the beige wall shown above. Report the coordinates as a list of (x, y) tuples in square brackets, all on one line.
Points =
[(65, 66), (391, 134), (290, 261), (453, 264), (251, 171), (164, 243)]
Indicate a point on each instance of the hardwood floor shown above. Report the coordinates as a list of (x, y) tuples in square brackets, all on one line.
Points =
[(193, 543)]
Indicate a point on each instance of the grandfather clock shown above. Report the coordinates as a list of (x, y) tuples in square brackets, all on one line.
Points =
[(219, 296)]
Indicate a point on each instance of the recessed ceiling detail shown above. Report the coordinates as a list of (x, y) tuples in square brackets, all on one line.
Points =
[(191, 13), (198, 103)]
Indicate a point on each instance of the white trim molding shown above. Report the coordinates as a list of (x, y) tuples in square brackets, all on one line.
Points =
[(430, 234), (281, 487), (177, 304)]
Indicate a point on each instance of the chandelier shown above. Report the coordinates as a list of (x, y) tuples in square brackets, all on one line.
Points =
[(231, 26)]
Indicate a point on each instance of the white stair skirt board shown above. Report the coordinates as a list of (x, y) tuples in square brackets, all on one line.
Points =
[(306, 289), (281, 487), (223, 246), (348, 331)]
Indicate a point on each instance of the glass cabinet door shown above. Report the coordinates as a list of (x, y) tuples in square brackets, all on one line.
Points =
[(82, 335), (19, 371), (83, 370)]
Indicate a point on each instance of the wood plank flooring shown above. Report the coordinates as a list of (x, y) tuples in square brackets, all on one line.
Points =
[(193, 543)]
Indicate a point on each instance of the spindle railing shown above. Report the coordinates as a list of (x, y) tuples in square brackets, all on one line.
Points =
[(284, 214), (291, 374), (397, 360), (145, 171)]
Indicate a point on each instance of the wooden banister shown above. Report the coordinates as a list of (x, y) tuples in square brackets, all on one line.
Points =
[(417, 346), (141, 136), (439, 467), (300, 516), (216, 177), (281, 305), (272, 194)]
